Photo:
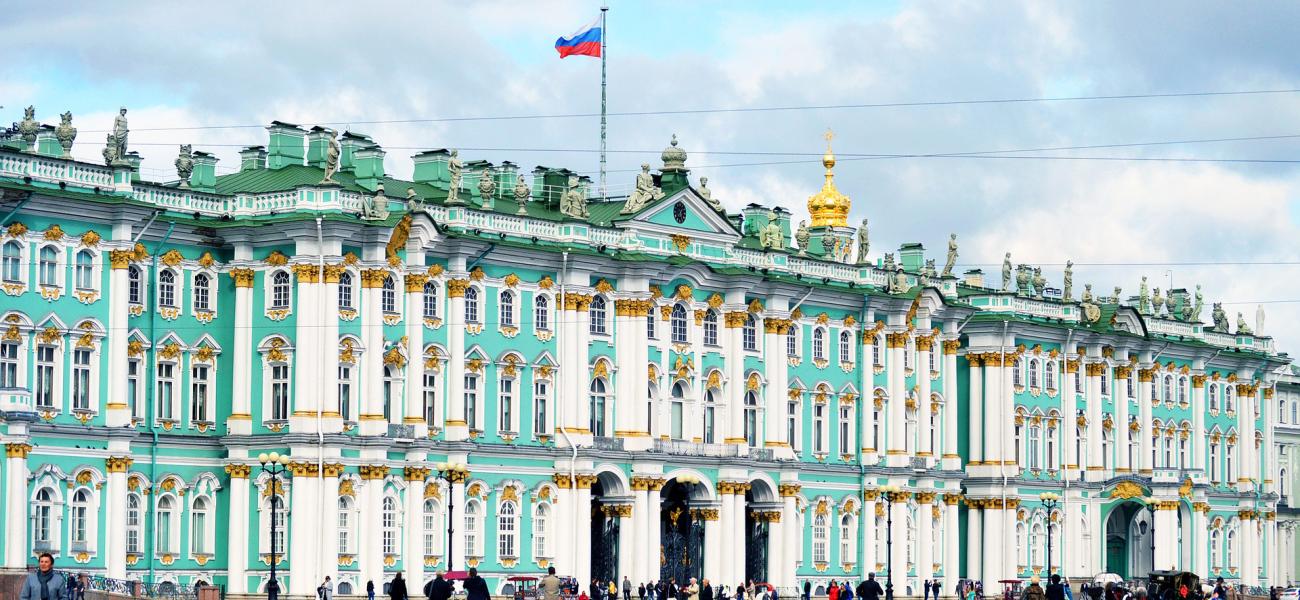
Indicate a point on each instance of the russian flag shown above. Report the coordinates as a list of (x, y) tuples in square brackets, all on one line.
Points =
[(584, 42)]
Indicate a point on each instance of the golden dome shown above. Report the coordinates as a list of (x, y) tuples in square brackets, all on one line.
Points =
[(828, 207)]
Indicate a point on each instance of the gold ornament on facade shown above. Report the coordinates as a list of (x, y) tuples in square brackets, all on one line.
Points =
[(604, 286), (456, 288), (243, 277), (680, 242), (415, 282), (477, 274), (1126, 489), (276, 259), (277, 353), (171, 258), (54, 233), (16, 229)]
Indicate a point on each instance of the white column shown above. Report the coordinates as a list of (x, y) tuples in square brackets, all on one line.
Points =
[(414, 413), (867, 532), (924, 533), (237, 531), (975, 392), (653, 533), (327, 521), (726, 520), (1145, 378), (712, 549), (898, 555), (459, 551), (372, 420), (793, 537), (240, 421), (1166, 524), (774, 398), (951, 541), (974, 541), (583, 530), (774, 544), (641, 516), (562, 516), (1069, 423), (413, 524), (307, 343), (332, 418), (17, 505), (992, 553), (369, 549), (994, 391), (303, 548), (1118, 393), (115, 509), (896, 432), (951, 459), (924, 345), (626, 540), (118, 410), (1095, 460), (457, 428), (738, 532), (734, 359), (627, 406)]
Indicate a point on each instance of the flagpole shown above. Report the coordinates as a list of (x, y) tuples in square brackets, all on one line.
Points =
[(603, 34)]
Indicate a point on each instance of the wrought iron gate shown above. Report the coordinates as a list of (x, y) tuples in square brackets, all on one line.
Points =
[(604, 546), (756, 531), (682, 546)]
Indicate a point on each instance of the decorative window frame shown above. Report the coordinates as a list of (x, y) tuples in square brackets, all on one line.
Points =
[(25, 266), (174, 536), (270, 310), (349, 312), (51, 291), (90, 294), (475, 326), (136, 308), (709, 321), (474, 551), (275, 353), (543, 333), (600, 327), (47, 479), (91, 482), (171, 351), (509, 372), (542, 547), (205, 488), (173, 311), (846, 350), (515, 534), (204, 353), (394, 316), (53, 334), (434, 295), (508, 321), (820, 352), (90, 338), (16, 329), (264, 516), (214, 287)]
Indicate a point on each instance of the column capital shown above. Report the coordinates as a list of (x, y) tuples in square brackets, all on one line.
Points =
[(586, 481), (896, 340), (924, 343), (415, 282), (373, 278), (456, 288), (1095, 369), (332, 469), (951, 499), (304, 469), (243, 277), (17, 450), (415, 473), (118, 464), (951, 346), (372, 472), (307, 273), (925, 497), (120, 259), (239, 471), (562, 480)]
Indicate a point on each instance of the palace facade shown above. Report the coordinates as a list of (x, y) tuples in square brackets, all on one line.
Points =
[(638, 384)]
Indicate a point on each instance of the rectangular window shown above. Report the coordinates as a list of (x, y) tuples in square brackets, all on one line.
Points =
[(792, 425), (345, 529), (345, 392), (202, 295), (279, 392), (749, 335), (166, 390), (541, 389), (198, 533), (506, 405), (846, 422), (8, 365), (650, 325), (677, 432), (81, 379), (709, 414), (199, 400), (791, 343), (133, 388), (819, 428), (44, 388), (471, 401), (430, 397)]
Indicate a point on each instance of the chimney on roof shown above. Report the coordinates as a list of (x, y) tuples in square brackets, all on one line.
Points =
[(46, 143), (349, 143), (431, 168), (974, 278), (204, 176), (368, 166), (912, 257), (134, 159), (318, 141), (252, 158), (285, 146)]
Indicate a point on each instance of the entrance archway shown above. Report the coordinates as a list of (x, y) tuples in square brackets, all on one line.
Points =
[(681, 534), (762, 508), (1129, 534), (608, 505)]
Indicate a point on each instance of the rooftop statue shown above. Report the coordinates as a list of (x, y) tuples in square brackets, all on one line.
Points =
[(770, 237), (1171, 305), (331, 158), (1219, 317), (574, 203), (1022, 280), (646, 192), (1091, 312), (522, 194), (1068, 293), (28, 127), (413, 201), (1242, 327), (828, 246), (927, 272), (454, 167), (1187, 310), (185, 165), (898, 283), (1087, 294), (1195, 316), (66, 133), (1040, 283), (120, 133), (487, 188), (1157, 302), (375, 208), (864, 243), (1259, 319), (888, 262), (1118, 292), (1006, 273), (1143, 297), (707, 194), (802, 237), (110, 150), (952, 255)]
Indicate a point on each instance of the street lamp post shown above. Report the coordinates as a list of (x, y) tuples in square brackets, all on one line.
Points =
[(888, 491), (274, 465), (1049, 500), (452, 473)]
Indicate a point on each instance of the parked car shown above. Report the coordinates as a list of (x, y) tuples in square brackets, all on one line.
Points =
[(1291, 593)]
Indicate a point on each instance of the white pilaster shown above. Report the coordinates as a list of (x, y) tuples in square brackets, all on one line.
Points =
[(896, 432), (951, 460), (414, 413), (975, 433), (118, 410), (303, 547), (115, 510), (237, 532), (1118, 393), (1199, 448), (1145, 377), (308, 342), (457, 427), (951, 543), (372, 420), (240, 421), (974, 543), (924, 346), (924, 533), (1093, 388)]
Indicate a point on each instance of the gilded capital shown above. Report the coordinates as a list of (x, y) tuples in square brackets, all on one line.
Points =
[(307, 273), (120, 259), (415, 282), (951, 346), (117, 464), (17, 450), (415, 473), (243, 277), (373, 278), (239, 471), (456, 288)]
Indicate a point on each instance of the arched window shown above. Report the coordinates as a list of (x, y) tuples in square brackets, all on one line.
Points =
[(1022, 548), (432, 528), (199, 526), (49, 266), (597, 313), (749, 334), (134, 524), (506, 308), (1214, 461), (1232, 548), (280, 290), (846, 347), (1037, 543), (678, 407), (164, 525), (820, 541), (167, 288), (1216, 549), (542, 530), (848, 538), (85, 270), (471, 305), (79, 523), (710, 327), (1033, 372), (430, 299), (388, 295), (1169, 389), (506, 404), (134, 285), (345, 291), (13, 262), (819, 343), (1049, 375), (471, 401), (1051, 447), (1017, 375), (473, 538), (280, 517), (1214, 397), (710, 413), (541, 312), (599, 399), (650, 331), (1229, 399), (846, 430), (878, 351), (1105, 380), (541, 398), (43, 521), (751, 418), (677, 320), (507, 529), (792, 341), (202, 293), (345, 521), (392, 379), (388, 524), (1182, 390), (1035, 439)]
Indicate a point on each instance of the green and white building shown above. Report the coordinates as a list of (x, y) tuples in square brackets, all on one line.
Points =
[(661, 392)]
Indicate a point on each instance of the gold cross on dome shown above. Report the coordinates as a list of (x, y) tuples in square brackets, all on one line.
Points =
[(829, 135)]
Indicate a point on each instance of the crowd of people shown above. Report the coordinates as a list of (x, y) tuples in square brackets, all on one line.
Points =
[(671, 589)]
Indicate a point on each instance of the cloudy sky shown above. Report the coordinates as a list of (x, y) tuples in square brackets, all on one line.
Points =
[(342, 64)]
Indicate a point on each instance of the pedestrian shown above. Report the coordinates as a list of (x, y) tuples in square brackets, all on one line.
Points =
[(833, 592), (613, 590), (550, 585), (45, 583), (397, 588), (627, 588), (1055, 591), (693, 590), (640, 591), (440, 588), (706, 590), (846, 593), (807, 590), (1034, 591), (370, 590), (475, 587), (870, 588), (970, 593)]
